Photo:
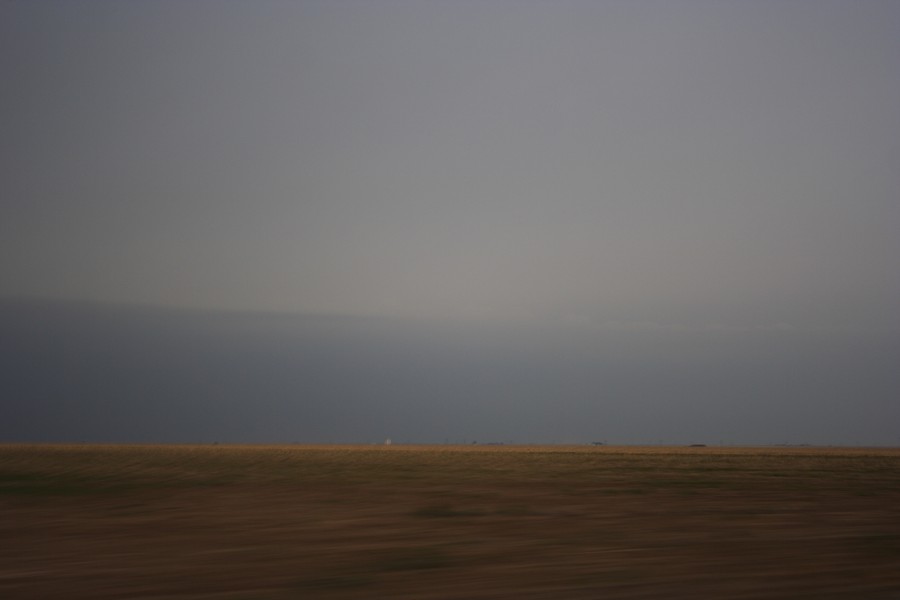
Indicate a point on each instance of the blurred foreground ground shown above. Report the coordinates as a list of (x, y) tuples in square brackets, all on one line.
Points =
[(273, 523)]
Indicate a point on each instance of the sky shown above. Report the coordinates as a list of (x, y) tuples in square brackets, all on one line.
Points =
[(638, 221)]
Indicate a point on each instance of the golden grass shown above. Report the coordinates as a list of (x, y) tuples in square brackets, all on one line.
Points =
[(297, 521)]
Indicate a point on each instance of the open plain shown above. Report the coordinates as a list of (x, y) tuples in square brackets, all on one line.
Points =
[(280, 522)]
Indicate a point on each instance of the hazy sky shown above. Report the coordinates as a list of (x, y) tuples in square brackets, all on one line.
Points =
[(670, 168)]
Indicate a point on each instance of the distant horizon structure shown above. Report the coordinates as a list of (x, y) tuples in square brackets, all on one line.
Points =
[(387, 442)]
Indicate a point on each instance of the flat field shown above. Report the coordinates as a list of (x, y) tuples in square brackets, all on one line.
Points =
[(281, 522)]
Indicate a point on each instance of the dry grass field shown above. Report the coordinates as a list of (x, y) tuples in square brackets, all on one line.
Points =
[(282, 522)]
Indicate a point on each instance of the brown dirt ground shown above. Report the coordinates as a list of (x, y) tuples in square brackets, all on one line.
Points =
[(273, 523)]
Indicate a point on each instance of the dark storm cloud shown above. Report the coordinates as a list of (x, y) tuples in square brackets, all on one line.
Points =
[(104, 373), (509, 220)]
